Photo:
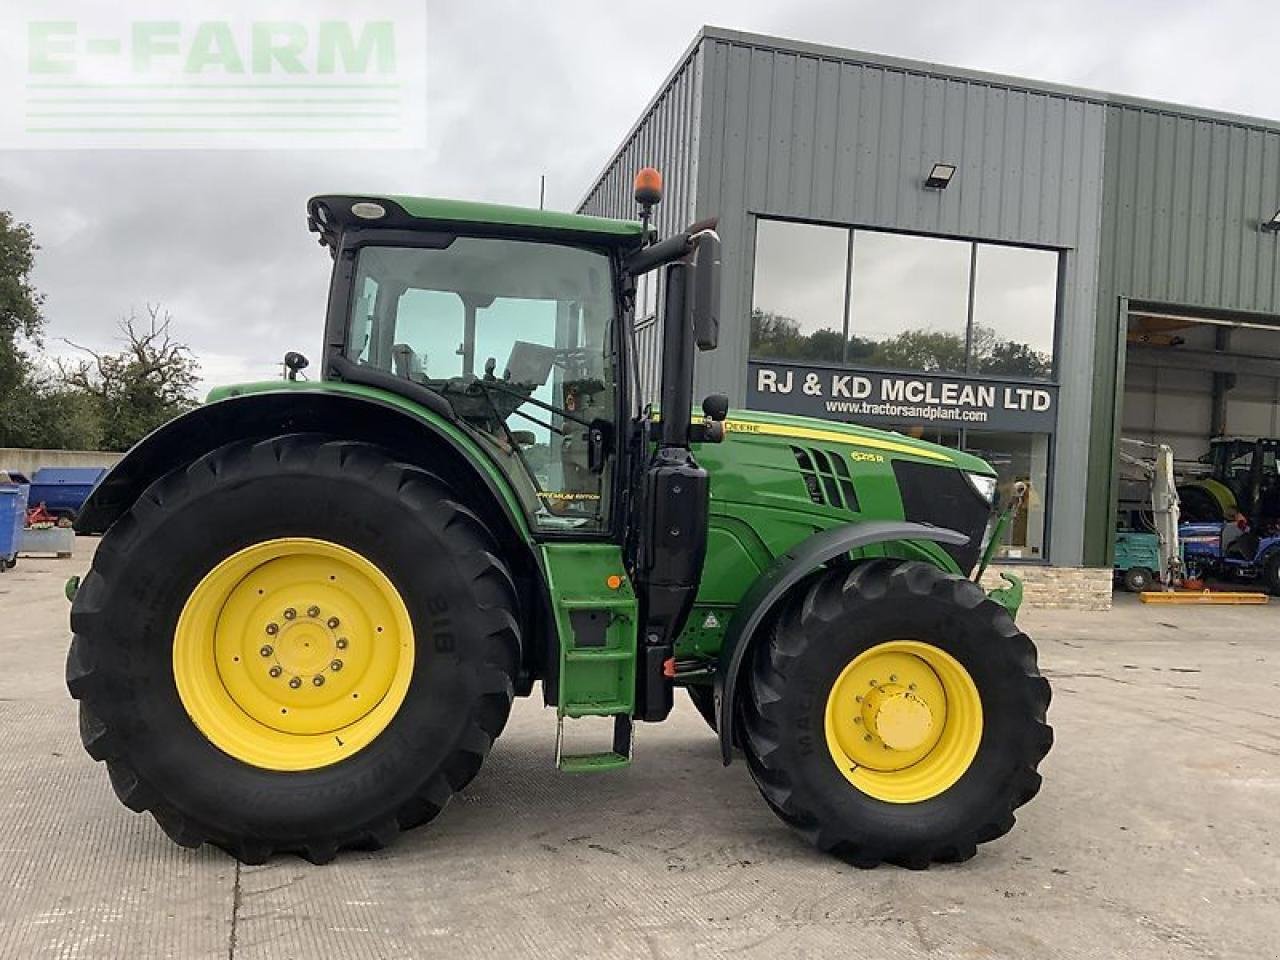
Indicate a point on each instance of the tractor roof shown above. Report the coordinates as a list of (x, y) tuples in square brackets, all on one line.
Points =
[(330, 214)]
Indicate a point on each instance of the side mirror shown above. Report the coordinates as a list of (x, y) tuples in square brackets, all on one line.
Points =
[(716, 407), (704, 304), (294, 363)]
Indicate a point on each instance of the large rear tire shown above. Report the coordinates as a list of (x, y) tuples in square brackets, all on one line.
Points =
[(895, 714), (236, 615)]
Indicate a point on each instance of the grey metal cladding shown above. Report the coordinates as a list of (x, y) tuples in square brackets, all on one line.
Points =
[(1185, 197), (836, 136)]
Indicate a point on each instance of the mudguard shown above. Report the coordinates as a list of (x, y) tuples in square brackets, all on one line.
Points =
[(258, 411), (347, 411), (785, 572)]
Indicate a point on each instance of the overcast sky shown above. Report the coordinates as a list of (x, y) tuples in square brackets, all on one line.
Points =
[(518, 89)]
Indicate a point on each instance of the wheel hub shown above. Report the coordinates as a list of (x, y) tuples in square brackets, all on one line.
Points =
[(903, 721), (897, 716), (293, 653)]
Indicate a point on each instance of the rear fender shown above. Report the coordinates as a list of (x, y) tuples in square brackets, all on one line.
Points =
[(412, 432), (762, 598)]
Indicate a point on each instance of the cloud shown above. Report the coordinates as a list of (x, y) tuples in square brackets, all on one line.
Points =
[(517, 90)]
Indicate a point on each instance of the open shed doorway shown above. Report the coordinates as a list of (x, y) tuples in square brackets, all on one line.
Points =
[(1209, 387)]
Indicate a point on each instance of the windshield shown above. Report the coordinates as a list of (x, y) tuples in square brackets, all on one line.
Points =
[(516, 335)]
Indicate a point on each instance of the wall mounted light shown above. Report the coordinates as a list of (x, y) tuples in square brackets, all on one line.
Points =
[(940, 176), (1272, 225)]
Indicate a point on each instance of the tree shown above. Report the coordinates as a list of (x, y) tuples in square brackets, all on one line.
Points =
[(141, 387), (20, 320)]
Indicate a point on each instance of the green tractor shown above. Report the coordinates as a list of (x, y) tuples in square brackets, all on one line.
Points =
[(314, 601)]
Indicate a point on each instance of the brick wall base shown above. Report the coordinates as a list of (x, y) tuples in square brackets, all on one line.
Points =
[(1058, 588)]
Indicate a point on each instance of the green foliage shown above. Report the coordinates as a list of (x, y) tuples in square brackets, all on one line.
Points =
[(106, 402), (777, 337), (145, 385), (20, 322)]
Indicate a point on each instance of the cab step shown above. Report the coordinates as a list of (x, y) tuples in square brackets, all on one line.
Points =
[(615, 759)]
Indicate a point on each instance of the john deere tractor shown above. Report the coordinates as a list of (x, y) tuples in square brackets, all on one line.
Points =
[(315, 600)]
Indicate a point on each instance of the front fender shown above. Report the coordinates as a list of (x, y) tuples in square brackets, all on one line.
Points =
[(783, 574)]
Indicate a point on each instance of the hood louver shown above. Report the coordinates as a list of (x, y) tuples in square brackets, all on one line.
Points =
[(827, 477)]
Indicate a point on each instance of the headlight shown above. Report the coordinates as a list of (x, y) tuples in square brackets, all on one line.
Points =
[(983, 486)]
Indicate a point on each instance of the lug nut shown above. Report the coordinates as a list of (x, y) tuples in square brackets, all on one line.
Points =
[(295, 682), (333, 623), (318, 680), (313, 611), (911, 686), (342, 643), (275, 671), (266, 650), (893, 678), (858, 721), (272, 629), (336, 665), (290, 613), (867, 738)]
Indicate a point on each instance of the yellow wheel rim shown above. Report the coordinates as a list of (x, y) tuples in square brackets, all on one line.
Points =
[(293, 654), (903, 721)]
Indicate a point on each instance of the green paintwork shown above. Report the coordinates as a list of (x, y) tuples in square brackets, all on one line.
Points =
[(594, 680), (464, 442), (1009, 597), (760, 507), (432, 209)]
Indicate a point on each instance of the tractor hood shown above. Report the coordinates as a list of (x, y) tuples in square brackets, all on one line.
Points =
[(792, 475), (885, 442)]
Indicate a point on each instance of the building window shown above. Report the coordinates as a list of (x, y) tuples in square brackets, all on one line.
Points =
[(902, 302), (1015, 296), (798, 304), (1018, 457), (909, 302)]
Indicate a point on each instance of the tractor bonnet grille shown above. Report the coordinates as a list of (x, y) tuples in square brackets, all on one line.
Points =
[(943, 497), (826, 477)]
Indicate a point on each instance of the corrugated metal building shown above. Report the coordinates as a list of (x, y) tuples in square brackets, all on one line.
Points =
[(995, 307)]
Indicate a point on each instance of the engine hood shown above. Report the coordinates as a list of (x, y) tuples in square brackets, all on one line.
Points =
[(887, 443)]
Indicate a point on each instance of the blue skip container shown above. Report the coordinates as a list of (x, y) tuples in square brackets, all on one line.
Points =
[(63, 490), (13, 514)]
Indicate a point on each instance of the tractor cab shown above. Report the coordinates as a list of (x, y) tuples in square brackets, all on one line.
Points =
[(1242, 478), (517, 335)]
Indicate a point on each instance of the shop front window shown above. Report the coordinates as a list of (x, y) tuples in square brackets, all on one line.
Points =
[(909, 302), (1014, 301), (1018, 457), (797, 310), (914, 303)]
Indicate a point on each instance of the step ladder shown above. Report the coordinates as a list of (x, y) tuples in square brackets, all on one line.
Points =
[(612, 759)]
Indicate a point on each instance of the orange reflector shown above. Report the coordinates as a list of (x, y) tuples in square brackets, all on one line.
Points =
[(613, 582), (669, 667)]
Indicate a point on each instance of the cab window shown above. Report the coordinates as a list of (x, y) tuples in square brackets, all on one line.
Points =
[(516, 335)]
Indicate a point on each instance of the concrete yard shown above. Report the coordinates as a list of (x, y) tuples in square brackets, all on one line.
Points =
[(1157, 832)]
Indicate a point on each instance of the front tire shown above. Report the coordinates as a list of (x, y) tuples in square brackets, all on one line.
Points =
[(229, 720), (1138, 579), (942, 730)]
